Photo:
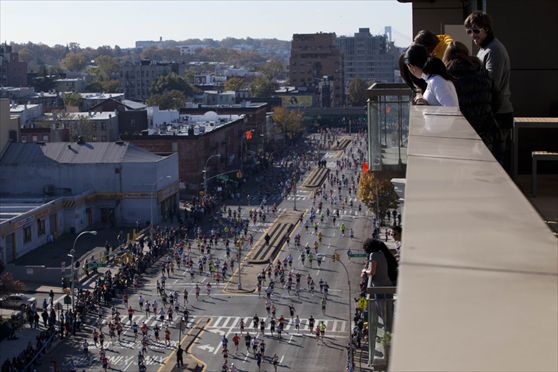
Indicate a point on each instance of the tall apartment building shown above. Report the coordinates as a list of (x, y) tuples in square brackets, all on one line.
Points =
[(372, 58), (314, 56), (13, 72), (136, 78)]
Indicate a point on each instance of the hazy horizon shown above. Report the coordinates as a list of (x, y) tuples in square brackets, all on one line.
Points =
[(123, 23)]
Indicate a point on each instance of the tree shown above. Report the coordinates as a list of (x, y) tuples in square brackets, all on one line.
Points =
[(289, 121), (73, 99), (376, 191), (272, 69), (8, 284), (172, 82), (173, 99), (106, 67), (110, 86), (74, 61), (357, 92), (233, 83), (262, 87)]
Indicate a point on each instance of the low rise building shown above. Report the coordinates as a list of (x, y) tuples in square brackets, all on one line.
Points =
[(70, 84), (132, 116), (47, 189), (9, 126), (26, 113), (90, 126), (196, 138)]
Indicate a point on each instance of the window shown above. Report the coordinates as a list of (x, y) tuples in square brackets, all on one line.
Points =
[(41, 227), (27, 234), (34, 138), (45, 138)]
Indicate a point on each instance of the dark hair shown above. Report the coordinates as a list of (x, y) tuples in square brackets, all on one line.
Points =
[(374, 245), (417, 55), (481, 20), (412, 81), (427, 39), (457, 52)]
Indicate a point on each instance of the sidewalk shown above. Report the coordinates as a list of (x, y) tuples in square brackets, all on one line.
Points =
[(12, 348)]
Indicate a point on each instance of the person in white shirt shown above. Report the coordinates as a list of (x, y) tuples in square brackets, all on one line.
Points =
[(440, 90)]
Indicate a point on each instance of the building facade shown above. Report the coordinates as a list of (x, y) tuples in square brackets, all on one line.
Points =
[(90, 126), (314, 56), (195, 138), (371, 58), (9, 126), (136, 78), (47, 189), (13, 72)]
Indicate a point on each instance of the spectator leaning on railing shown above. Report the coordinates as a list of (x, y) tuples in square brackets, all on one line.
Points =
[(440, 90), (474, 90)]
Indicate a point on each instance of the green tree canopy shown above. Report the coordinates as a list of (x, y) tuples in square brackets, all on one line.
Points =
[(376, 191), (74, 61), (357, 92), (172, 82), (106, 67), (173, 99), (110, 86), (290, 121), (262, 87), (272, 69), (234, 83), (73, 99)]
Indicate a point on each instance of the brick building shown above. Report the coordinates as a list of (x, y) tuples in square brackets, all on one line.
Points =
[(254, 114), (314, 56), (195, 138), (13, 72)]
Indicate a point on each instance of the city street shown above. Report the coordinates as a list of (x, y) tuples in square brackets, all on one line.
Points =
[(295, 349)]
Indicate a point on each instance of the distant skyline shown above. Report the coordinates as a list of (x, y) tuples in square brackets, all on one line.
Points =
[(103, 22)]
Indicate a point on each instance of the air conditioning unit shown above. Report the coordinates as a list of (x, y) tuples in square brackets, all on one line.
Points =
[(49, 190)]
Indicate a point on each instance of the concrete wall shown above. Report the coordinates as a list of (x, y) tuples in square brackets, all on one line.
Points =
[(527, 29), (7, 125)]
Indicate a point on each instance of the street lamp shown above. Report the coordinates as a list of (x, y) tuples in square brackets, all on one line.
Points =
[(205, 171), (72, 255), (151, 204)]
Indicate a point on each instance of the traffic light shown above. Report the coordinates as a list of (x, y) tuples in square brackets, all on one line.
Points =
[(64, 284)]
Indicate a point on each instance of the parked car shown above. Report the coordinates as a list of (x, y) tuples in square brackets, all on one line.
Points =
[(16, 301)]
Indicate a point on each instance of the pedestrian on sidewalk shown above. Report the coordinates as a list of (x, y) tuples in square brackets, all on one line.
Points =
[(179, 359)]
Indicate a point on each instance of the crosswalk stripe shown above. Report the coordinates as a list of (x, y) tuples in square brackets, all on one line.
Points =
[(217, 322)]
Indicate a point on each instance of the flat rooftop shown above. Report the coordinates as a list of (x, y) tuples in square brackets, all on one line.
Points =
[(13, 207)]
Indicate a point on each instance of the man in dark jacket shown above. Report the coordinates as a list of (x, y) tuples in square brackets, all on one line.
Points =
[(495, 59)]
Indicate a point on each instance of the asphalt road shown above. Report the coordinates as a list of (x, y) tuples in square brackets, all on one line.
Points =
[(297, 351)]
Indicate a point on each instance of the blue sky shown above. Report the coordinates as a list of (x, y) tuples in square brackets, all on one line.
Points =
[(104, 22)]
